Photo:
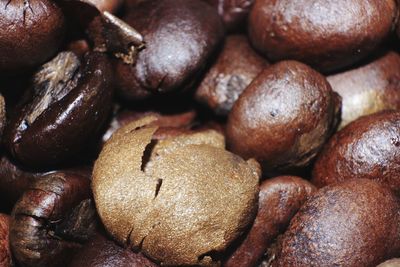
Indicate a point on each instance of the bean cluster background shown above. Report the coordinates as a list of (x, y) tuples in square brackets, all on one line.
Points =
[(234, 133)]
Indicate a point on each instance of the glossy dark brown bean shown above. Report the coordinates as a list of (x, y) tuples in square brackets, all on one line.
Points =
[(70, 105), (369, 147), (5, 253), (101, 252), (370, 88), (233, 12), (237, 65), (283, 117), (180, 37), (51, 220), (279, 200), (324, 34), (350, 224), (30, 33)]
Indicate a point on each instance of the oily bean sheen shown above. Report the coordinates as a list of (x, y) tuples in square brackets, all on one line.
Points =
[(350, 224), (283, 117), (369, 147), (180, 36), (71, 102), (370, 88), (327, 35), (279, 200), (30, 33), (237, 65)]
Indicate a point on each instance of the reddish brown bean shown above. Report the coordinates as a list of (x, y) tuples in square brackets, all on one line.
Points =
[(350, 224), (366, 148), (370, 88), (279, 200), (235, 68)]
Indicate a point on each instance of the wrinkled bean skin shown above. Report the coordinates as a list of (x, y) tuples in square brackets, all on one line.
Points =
[(30, 33), (283, 117), (366, 148), (348, 224), (370, 88), (236, 66), (328, 35), (63, 128), (5, 253), (101, 252), (180, 37), (279, 200), (47, 225)]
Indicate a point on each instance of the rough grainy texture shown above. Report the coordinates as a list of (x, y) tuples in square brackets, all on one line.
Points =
[(30, 33), (279, 200), (101, 252), (5, 253), (237, 65), (233, 12), (63, 114), (51, 220), (171, 201), (351, 224), (107, 5), (366, 148), (368, 89), (283, 117), (180, 37), (390, 263), (325, 34)]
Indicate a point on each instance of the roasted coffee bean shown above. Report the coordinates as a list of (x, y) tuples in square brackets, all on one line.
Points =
[(354, 223), (233, 12), (283, 117), (370, 88), (279, 200), (237, 65), (366, 148), (143, 202), (52, 220), (31, 31), (5, 253), (71, 102), (180, 37), (101, 252), (327, 35)]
